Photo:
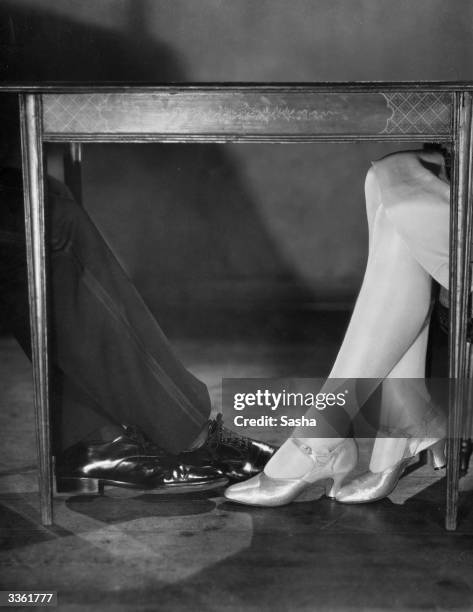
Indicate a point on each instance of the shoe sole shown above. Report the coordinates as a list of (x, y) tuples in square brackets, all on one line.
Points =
[(97, 486)]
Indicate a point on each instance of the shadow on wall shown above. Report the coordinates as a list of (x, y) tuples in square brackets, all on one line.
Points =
[(201, 225)]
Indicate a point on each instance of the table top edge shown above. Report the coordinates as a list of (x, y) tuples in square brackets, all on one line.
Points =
[(64, 87)]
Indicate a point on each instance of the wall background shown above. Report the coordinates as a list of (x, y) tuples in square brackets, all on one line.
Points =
[(236, 224)]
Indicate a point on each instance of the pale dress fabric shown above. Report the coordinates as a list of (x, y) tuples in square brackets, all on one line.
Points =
[(416, 195)]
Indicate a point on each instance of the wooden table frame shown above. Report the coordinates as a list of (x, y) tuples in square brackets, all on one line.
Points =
[(279, 113)]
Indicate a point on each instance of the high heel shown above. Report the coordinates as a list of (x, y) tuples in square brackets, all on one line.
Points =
[(332, 466), (436, 455), (373, 486)]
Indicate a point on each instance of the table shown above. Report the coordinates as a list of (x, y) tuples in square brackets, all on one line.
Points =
[(277, 113)]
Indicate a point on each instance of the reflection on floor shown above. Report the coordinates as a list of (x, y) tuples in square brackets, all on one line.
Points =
[(136, 551)]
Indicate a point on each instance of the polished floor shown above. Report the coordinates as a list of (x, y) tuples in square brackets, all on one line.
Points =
[(137, 551)]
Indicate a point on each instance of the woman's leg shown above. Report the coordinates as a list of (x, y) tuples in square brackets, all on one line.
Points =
[(390, 314), (391, 309), (401, 404), (405, 401)]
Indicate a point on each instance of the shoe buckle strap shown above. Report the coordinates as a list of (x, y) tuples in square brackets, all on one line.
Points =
[(321, 458)]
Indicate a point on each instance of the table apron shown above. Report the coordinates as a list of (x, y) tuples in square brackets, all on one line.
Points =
[(252, 115)]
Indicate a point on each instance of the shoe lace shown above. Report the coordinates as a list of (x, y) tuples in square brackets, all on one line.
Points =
[(219, 435)]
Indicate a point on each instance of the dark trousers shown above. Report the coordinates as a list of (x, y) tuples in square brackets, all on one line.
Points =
[(112, 362)]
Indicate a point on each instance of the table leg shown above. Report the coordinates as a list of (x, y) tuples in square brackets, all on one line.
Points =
[(32, 158), (460, 248), (72, 170)]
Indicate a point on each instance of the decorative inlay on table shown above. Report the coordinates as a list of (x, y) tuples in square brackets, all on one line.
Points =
[(228, 115), (417, 112)]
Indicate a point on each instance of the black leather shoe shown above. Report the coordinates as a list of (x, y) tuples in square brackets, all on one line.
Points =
[(130, 461), (235, 456)]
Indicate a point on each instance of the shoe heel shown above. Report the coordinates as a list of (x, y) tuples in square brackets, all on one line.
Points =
[(436, 455), (345, 464), (335, 485), (79, 485)]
